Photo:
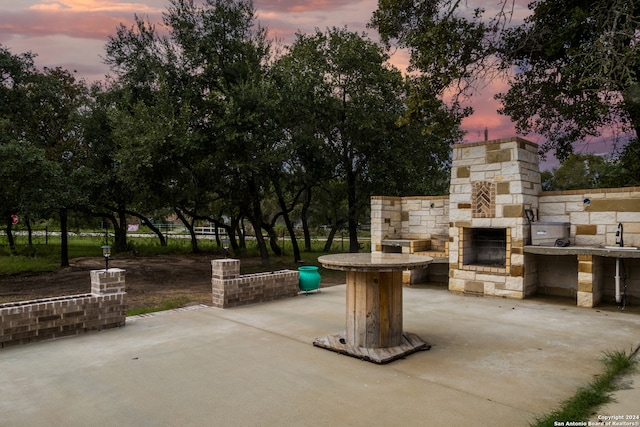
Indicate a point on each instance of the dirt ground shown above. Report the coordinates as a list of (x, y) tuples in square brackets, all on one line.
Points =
[(152, 280), (149, 280)]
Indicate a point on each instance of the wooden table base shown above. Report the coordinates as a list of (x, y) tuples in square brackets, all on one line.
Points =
[(410, 344), (374, 307)]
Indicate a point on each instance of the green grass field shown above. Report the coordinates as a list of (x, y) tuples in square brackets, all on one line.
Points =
[(44, 253)]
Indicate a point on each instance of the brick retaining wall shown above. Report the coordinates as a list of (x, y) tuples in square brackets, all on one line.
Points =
[(28, 321), (230, 289)]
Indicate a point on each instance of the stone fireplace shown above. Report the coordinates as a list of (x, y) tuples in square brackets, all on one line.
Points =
[(492, 184), (481, 241)]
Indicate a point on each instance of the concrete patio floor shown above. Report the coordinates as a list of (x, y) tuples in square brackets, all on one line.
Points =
[(493, 362)]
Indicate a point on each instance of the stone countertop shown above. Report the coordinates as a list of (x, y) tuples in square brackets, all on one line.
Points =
[(402, 242), (379, 262), (583, 250)]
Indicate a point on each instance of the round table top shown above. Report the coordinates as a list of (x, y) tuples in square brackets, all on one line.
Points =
[(374, 262)]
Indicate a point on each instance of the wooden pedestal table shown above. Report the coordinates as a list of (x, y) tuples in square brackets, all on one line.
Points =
[(374, 306)]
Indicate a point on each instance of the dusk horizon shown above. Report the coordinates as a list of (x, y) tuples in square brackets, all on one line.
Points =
[(72, 34)]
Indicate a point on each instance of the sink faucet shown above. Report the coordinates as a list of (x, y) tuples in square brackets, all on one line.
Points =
[(619, 235)]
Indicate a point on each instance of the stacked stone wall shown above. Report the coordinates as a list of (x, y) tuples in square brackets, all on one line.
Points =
[(595, 214), (385, 220), (35, 320), (230, 289), (424, 220)]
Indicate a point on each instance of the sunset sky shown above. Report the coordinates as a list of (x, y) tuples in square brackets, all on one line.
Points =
[(72, 34)]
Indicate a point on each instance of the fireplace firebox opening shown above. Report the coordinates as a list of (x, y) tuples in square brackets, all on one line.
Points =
[(486, 247)]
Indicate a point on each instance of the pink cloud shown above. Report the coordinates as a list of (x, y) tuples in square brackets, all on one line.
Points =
[(299, 6), (77, 25), (91, 6), (486, 115), (81, 25)]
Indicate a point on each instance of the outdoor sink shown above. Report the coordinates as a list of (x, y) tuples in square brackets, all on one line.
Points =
[(622, 248)]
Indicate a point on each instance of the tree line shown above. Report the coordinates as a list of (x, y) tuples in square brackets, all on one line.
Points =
[(208, 122), (203, 117)]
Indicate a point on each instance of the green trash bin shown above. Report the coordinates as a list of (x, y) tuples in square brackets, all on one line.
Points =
[(309, 278)]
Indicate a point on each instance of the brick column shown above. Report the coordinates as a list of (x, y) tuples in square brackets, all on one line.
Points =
[(107, 281), (225, 268), (106, 309), (222, 272)]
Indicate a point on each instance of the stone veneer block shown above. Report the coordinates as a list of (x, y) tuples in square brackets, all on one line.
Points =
[(514, 284), (603, 218), (494, 146), (585, 267), (585, 282), (474, 287), (500, 156), (463, 172), (632, 228), (585, 299), (512, 211), (614, 205), (517, 270), (469, 152), (488, 277), (505, 293), (503, 188), (462, 274)]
